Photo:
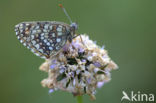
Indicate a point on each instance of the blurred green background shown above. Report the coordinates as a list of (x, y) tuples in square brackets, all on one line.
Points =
[(127, 28)]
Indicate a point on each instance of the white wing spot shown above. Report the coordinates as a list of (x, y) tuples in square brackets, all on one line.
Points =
[(37, 46), (48, 43), (37, 54), (32, 36), (58, 39), (45, 40), (18, 37), (59, 29), (53, 34), (42, 34), (41, 50), (34, 32), (50, 48), (38, 31), (37, 27), (59, 33), (21, 41), (51, 27), (33, 42), (42, 37), (24, 44), (16, 33), (46, 26)]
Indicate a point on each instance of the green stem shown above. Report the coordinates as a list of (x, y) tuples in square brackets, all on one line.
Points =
[(79, 99)]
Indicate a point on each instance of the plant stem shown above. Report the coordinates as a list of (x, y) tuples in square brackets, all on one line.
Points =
[(79, 99)]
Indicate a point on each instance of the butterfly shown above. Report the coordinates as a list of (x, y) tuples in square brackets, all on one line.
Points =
[(45, 38)]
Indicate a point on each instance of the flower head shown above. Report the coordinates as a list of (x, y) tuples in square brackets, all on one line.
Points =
[(79, 68)]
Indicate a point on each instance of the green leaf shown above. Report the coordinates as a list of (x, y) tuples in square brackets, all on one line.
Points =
[(103, 67), (85, 89), (67, 83), (72, 61), (61, 76), (100, 72)]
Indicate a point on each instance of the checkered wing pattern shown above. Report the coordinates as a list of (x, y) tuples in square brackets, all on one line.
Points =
[(43, 38)]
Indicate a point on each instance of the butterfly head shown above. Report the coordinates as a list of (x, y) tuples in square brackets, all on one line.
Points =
[(74, 26)]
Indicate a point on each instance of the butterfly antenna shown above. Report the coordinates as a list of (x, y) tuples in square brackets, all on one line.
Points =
[(64, 10)]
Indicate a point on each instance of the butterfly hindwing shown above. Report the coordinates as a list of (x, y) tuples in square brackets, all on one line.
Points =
[(43, 38)]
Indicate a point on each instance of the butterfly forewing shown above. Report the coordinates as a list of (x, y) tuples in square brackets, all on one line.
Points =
[(43, 38)]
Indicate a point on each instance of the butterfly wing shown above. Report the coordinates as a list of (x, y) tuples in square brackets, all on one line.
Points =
[(43, 38)]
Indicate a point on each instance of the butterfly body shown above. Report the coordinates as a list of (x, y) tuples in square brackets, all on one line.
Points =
[(45, 38)]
